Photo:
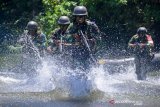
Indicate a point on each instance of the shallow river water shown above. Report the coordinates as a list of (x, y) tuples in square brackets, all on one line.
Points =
[(55, 87)]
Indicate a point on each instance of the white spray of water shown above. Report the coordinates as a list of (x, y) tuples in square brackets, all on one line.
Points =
[(105, 81), (10, 80), (43, 80), (51, 76)]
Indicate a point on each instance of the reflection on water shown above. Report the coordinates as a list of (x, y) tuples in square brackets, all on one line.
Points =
[(61, 87)]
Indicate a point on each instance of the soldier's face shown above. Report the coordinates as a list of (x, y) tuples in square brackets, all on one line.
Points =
[(31, 31), (141, 34), (63, 27), (80, 19)]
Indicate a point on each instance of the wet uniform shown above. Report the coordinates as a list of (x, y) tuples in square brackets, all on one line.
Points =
[(63, 39), (29, 43), (31, 49), (80, 53), (143, 55), (39, 41), (61, 44)]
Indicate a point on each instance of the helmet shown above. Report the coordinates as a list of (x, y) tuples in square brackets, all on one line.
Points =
[(63, 20), (80, 11), (141, 30), (32, 25)]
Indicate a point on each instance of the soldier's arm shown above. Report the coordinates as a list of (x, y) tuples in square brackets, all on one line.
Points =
[(131, 42), (50, 43), (72, 30), (95, 32), (42, 44), (95, 41), (55, 37), (148, 44), (43, 41), (150, 41)]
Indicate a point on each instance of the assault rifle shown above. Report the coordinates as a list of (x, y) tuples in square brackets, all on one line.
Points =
[(88, 47)]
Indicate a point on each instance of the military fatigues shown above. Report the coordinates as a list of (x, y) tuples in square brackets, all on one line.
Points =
[(61, 44), (31, 43), (31, 50), (143, 55), (80, 53), (59, 37), (39, 41)]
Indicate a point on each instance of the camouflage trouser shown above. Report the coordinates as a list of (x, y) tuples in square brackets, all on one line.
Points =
[(142, 66)]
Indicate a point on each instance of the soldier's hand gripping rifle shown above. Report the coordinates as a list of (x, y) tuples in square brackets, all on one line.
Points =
[(88, 47), (63, 45)]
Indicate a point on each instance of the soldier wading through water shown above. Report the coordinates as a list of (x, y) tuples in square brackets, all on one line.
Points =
[(85, 34), (33, 44), (141, 45)]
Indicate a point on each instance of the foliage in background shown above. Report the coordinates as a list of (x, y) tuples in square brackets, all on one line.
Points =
[(16, 13), (53, 10), (118, 19)]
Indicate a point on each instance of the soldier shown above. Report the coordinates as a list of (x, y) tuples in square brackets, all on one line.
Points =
[(61, 43), (33, 47), (141, 45), (85, 34), (32, 39), (60, 36)]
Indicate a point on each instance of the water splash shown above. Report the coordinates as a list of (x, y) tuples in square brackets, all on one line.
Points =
[(105, 81), (52, 77)]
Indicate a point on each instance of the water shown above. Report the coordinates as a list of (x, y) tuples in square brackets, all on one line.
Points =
[(64, 87), (48, 84)]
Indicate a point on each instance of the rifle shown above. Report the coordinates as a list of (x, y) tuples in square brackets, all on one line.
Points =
[(60, 44), (63, 44), (88, 47)]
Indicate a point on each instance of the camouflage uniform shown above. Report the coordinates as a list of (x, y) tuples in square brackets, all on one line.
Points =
[(55, 41), (31, 49), (80, 53), (143, 55), (39, 41), (61, 44), (31, 43)]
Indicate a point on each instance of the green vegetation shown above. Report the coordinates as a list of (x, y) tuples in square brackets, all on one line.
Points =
[(118, 19), (53, 10)]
